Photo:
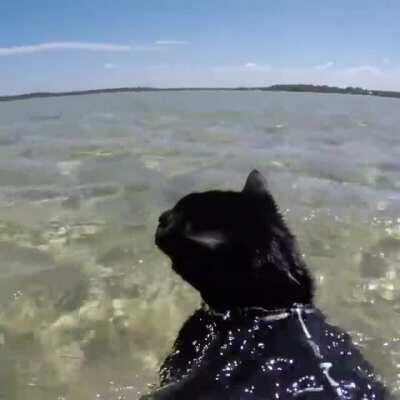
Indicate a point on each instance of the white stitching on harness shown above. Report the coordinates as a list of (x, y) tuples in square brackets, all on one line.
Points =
[(324, 366)]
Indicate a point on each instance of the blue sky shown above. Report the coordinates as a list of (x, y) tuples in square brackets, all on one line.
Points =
[(83, 44)]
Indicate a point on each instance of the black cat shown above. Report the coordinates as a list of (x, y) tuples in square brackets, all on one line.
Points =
[(259, 335)]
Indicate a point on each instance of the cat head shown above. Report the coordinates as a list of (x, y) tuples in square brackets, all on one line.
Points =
[(235, 248)]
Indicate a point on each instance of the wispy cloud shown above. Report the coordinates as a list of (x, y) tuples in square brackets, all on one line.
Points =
[(164, 42), (365, 69), (88, 46), (148, 48), (110, 66), (325, 66), (230, 75), (254, 74), (252, 66)]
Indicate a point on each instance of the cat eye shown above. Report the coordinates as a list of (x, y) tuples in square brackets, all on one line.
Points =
[(188, 227)]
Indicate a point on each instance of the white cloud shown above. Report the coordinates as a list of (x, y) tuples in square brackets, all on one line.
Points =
[(110, 66), (147, 48), (323, 67), (374, 76), (252, 66), (365, 69), (164, 42), (88, 46), (251, 74)]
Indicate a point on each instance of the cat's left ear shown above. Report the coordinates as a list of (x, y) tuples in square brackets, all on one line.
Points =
[(255, 184)]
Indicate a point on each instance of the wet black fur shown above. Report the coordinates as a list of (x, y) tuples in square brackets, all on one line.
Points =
[(256, 264), (236, 250)]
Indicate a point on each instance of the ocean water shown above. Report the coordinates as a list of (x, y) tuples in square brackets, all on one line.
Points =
[(89, 307)]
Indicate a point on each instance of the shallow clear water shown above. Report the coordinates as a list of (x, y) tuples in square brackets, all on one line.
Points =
[(89, 307)]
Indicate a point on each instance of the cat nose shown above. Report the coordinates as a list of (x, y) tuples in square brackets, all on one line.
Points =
[(165, 219)]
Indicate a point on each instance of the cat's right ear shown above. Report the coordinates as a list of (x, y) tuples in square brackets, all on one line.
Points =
[(255, 184)]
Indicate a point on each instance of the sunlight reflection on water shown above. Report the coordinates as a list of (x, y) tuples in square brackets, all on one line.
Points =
[(89, 307)]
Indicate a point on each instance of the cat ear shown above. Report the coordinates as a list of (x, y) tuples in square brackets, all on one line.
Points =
[(211, 239), (255, 184)]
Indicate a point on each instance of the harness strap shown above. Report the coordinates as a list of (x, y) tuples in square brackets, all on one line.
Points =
[(298, 310), (271, 314), (324, 366)]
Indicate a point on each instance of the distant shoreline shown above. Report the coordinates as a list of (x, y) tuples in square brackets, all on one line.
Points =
[(298, 88)]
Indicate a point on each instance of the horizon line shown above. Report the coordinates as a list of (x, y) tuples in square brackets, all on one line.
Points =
[(289, 87)]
